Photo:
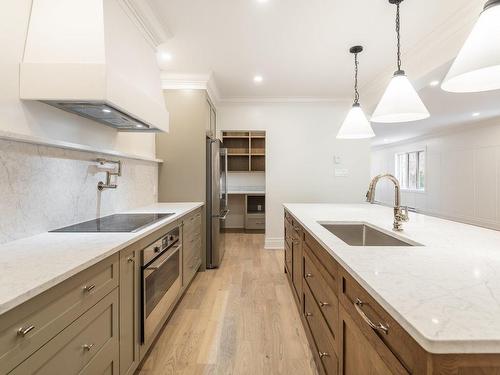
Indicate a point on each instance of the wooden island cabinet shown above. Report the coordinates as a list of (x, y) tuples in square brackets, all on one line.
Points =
[(349, 333)]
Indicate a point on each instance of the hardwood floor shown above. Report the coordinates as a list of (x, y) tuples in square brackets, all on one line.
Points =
[(239, 319)]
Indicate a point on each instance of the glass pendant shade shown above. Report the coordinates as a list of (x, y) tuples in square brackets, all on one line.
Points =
[(356, 125), (400, 102), (477, 66)]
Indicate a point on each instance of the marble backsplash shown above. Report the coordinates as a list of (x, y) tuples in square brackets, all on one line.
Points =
[(44, 188)]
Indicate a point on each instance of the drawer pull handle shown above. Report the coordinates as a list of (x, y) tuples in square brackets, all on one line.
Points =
[(23, 331), (377, 327), (309, 275), (308, 314), (323, 354), (323, 304), (130, 260), (87, 347), (88, 288)]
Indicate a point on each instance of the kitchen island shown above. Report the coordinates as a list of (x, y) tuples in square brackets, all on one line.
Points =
[(442, 297)]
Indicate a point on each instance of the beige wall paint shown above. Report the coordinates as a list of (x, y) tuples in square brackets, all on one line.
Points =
[(38, 119), (300, 150), (463, 174), (182, 176)]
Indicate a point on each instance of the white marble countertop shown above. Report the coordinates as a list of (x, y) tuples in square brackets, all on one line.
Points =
[(445, 294), (33, 265)]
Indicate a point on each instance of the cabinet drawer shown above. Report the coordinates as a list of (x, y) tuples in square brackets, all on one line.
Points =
[(325, 343), (330, 268), (288, 233), (52, 311), (71, 350), (393, 344), (192, 243), (288, 259), (255, 223), (192, 224), (322, 292), (191, 262)]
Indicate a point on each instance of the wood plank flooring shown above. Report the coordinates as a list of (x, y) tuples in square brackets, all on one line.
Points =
[(239, 319)]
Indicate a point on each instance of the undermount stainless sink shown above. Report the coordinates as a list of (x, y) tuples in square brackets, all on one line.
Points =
[(361, 234)]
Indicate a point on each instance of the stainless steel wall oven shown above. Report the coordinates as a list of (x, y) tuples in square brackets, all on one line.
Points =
[(161, 275)]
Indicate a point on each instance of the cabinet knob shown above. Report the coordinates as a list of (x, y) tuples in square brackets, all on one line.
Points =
[(309, 275), (130, 260), (87, 347), (308, 314), (23, 331), (323, 354), (323, 304), (88, 288)]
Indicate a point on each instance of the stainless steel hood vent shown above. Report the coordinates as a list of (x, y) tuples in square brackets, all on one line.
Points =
[(105, 114)]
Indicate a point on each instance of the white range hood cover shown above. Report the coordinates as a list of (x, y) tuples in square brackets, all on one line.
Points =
[(88, 57)]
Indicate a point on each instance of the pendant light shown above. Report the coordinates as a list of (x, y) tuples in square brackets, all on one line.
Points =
[(355, 125), (400, 102), (477, 66)]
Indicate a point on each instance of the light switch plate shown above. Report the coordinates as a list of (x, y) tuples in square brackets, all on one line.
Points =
[(341, 172)]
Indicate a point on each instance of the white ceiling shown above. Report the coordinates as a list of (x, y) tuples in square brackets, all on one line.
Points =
[(300, 47)]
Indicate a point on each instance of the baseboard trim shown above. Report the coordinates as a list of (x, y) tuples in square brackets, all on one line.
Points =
[(274, 243)]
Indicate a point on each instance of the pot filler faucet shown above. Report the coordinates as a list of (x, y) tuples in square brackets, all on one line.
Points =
[(400, 213), (108, 185)]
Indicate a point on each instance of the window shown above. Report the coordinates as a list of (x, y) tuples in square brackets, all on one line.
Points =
[(410, 170)]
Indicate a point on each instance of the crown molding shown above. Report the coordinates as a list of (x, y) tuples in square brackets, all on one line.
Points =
[(436, 49), (143, 16), (180, 81), (284, 99)]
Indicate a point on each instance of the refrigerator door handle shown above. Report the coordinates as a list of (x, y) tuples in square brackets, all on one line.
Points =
[(222, 216), (226, 198)]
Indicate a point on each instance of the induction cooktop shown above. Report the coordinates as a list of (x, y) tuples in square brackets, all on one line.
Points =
[(123, 223)]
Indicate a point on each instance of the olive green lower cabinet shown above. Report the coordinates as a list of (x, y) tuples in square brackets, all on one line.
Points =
[(90, 323), (348, 332)]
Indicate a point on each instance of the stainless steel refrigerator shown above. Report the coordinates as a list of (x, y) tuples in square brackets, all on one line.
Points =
[(217, 208)]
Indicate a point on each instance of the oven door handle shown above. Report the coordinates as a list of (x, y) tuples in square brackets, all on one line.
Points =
[(154, 267)]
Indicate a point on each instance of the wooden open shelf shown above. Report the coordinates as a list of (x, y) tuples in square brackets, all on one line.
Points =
[(246, 150)]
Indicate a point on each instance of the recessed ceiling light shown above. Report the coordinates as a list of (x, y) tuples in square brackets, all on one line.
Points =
[(476, 114), (165, 56), (258, 79), (434, 83), (105, 110)]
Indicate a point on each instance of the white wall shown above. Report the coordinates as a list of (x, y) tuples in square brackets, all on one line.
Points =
[(463, 170), (300, 151), (38, 119)]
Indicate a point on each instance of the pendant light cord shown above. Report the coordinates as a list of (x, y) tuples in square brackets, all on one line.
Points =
[(398, 33), (356, 92)]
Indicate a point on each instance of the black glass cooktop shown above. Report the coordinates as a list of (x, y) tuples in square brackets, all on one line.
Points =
[(115, 223)]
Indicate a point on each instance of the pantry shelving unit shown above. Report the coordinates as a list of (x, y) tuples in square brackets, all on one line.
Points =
[(246, 150)]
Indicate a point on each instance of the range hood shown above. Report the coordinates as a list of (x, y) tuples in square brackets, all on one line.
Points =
[(89, 57)]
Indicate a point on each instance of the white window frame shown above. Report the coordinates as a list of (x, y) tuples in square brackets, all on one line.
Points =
[(397, 170)]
